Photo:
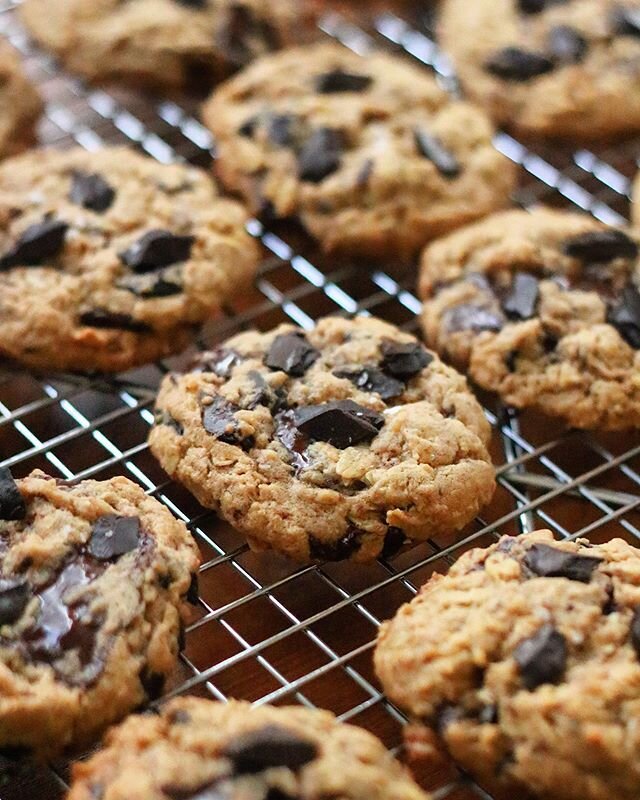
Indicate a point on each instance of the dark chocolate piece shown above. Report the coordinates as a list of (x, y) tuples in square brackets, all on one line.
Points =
[(432, 148), (567, 45), (635, 631), (36, 244), (601, 246), (150, 285), (522, 300), (340, 81), (372, 379), (91, 191), (269, 747), (321, 154), (292, 354), (625, 21), (281, 129), (542, 658), (12, 506), (113, 536), (218, 419), (102, 318), (15, 594), (467, 317), (341, 423), (403, 360), (157, 249), (625, 317), (516, 64), (339, 550), (550, 562)]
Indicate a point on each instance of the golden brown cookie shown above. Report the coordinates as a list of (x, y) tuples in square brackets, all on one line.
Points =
[(110, 259), (332, 444), (165, 44), (92, 580), (20, 104), (196, 749), (544, 309), (369, 153), (523, 663), (549, 67)]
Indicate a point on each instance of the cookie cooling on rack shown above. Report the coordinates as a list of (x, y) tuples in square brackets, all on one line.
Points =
[(327, 445), (544, 309), (196, 749), (110, 259), (523, 663), (369, 153), (92, 580), (164, 44), (20, 104), (549, 67)]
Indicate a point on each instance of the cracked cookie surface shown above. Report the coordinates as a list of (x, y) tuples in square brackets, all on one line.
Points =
[(523, 663), (549, 67), (110, 259), (327, 444), (369, 153), (197, 748), (164, 44), (20, 103), (92, 580), (544, 309)]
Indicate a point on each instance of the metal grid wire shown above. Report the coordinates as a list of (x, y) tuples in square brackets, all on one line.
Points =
[(267, 630)]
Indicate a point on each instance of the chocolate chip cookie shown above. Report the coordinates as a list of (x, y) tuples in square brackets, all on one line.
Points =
[(549, 67), (20, 104), (369, 153), (164, 44), (544, 309), (92, 579), (523, 663), (327, 445), (196, 749), (110, 259)]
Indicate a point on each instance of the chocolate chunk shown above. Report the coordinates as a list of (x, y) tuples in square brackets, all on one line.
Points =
[(549, 562), (15, 593), (211, 790), (340, 81), (625, 21), (522, 300), (567, 45), (193, 593), (269, 747), (320, 155), (531, 6), (150, 285), (488, 715), (393, 542), (36, 244), (245, 33), (157, 249), (403, 360), (219, 420), (249, 126), (91, 191), (161, 417), (113, 536), (601, 246), (281, 129), (193, 3), (339, 550), (635, 631), (431, 147), (264, 394), (152, 683), (610, 606), (467, 317), (515, 64), (219, 361), (292, 354), (12, 506), (542, 658), (625, 317), (372, 379), (102, 318), (364, 175), (341, 423)]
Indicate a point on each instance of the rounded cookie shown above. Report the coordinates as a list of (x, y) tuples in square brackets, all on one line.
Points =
[(369, 153), (523, 663), (110, 259), (164, 44), (544, 309), (92, 580), (197, 748), (549, 67), (20, 104), (330, 444)]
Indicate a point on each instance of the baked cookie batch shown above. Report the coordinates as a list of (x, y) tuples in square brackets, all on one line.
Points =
[(342, 442)]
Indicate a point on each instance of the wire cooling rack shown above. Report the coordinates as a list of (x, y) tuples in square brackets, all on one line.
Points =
[(266, 630)]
